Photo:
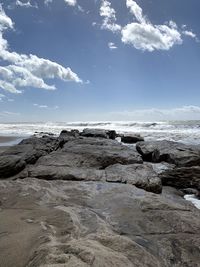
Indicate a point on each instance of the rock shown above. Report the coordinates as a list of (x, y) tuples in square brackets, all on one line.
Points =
[(131, 139), (99, 133), (15, 158), (183, 177), (10, 165), (91, 153), (191, 191), (72, 133), (96, 224), (172, 152), (141, 175)]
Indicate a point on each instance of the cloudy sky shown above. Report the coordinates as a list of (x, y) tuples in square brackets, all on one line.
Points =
[(78, 60)]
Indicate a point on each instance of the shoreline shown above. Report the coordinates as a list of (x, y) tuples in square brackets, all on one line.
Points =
[(7, 141)]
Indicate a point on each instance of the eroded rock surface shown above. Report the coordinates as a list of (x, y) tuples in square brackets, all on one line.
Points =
[(68, 223)]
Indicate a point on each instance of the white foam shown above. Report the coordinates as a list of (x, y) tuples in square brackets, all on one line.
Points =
[(195, 201), (185, 132)]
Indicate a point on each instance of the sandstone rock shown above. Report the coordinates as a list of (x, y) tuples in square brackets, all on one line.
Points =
[(168, 151)]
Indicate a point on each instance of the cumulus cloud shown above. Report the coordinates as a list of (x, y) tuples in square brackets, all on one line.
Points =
[(109, 17), (27, 70), (112, 46), (141, 33), (191, 34), (68, 2), (26, 4)]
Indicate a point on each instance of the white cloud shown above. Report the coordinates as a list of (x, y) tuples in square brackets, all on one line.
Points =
[(141, 33), (5, 21), (26, 4), (190, 34), (40, 106), (27, 70), (112, 46), (150, 37), (180, 113), (144, 35), (9, 113), (70, 2), (108, 13), (136, 10)]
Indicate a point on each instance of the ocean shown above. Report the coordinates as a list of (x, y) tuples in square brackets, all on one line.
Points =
[(187, 132)]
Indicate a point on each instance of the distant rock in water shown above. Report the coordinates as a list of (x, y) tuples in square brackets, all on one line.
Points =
[(107, 134), (131, 139)]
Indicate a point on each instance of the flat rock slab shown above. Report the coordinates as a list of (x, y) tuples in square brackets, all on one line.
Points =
[(66, 223), (91, 153), (172, 152), (141, 175)]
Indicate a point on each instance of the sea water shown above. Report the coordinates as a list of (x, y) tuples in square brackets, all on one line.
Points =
[(187, 132)]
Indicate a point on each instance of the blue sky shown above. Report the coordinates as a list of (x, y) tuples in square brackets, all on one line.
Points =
[(128, 60)]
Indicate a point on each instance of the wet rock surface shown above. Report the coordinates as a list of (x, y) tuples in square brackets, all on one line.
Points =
[(74, 200), (175, 153), (68, 223)]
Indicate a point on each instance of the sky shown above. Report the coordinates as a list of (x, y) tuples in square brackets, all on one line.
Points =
[(99, 60)]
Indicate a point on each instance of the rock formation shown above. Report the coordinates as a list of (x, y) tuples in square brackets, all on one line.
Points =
[(86, 200)]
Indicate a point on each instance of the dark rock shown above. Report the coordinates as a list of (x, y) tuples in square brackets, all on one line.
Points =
[(141, 175), (128, 139), (183, 177), (168, 151), (72, 133), (10, 165), (28, 151), (191, 191), (98, 133), (98, 153)]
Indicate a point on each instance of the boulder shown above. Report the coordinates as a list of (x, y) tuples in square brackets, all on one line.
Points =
[(10, 165), (182, 177), (141, 175), (99, 133), (131, 139), (28, 151), (66, 134), (172, 152)]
